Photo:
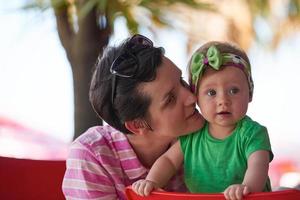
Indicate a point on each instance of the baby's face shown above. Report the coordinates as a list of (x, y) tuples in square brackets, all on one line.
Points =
[(223, 96)]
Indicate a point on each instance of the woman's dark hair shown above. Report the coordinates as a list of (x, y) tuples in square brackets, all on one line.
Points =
[(129, 102)]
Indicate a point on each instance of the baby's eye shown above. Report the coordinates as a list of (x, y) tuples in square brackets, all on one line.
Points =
[(211, 92), (234, 90)]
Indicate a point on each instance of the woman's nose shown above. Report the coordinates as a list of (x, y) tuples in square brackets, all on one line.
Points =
[(189, 97)]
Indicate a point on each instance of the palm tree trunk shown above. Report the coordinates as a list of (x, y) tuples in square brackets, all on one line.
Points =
[(82, 49)]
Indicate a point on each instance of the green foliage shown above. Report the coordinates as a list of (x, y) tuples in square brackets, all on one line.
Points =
[(37, 5), (259, 7), (155, 9), (91, 4), (43, 4), (160, 8), (294, 8)]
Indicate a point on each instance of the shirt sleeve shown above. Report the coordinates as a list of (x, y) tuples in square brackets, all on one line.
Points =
[(258, 139), (86, 177)]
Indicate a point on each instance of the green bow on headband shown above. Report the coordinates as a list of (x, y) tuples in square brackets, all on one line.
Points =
[(213, 58)]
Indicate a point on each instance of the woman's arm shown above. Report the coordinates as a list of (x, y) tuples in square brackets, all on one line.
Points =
[(161, 171)]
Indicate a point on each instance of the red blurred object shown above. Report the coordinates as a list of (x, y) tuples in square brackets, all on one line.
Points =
[(278, 195), (31, 179), (19, 141), (281, 166)]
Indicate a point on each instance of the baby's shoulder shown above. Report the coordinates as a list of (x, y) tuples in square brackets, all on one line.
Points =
[(248, 127)]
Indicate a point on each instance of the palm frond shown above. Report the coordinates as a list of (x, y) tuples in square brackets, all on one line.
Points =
[(41, 5), (87, 7)]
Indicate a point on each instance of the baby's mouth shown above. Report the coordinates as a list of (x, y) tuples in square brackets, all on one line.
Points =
[(223, 113)]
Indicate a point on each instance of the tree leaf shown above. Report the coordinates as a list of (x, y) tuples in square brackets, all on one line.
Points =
[(87, 7)]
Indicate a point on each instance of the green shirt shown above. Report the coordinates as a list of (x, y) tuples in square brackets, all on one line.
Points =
[(211, 165)]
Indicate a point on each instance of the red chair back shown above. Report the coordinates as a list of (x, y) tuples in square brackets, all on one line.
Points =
[(31, 179), (277, 195)]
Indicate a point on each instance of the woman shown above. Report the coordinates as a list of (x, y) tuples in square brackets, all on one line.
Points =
[(141, 95)]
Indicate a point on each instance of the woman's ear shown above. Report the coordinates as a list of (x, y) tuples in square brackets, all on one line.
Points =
[(136, 126)]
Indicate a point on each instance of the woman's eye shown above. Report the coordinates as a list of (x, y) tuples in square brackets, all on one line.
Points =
[(234, 91), (170, 99), (211, 93)]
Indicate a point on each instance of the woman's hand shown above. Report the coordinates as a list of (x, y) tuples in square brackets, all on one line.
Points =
[(236, 192), (143, 187)]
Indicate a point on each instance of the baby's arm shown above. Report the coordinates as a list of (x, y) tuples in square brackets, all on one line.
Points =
[(257, 172), (161, 171), (255, 177)]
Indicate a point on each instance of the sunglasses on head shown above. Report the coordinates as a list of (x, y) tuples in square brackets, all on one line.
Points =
[(126, 64)]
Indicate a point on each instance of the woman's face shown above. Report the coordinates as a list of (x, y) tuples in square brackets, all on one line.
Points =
[(172, 110)]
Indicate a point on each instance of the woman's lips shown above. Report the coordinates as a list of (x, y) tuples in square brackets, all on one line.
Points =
[(195, 113)]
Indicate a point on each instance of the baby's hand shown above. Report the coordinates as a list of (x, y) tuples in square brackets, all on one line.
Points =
[(143, 187), (236, 192)]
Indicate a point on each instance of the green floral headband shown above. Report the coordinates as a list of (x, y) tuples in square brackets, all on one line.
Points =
[(216, 60)]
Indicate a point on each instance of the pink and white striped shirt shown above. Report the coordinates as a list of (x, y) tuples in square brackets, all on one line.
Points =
[(101, 163)]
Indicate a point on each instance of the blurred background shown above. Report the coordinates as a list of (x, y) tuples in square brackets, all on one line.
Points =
[(48, 49)]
